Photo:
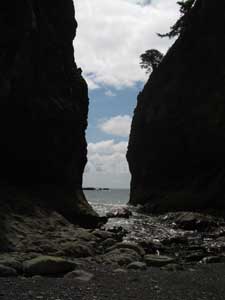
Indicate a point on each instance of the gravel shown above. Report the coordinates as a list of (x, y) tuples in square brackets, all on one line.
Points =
[(195, 283)]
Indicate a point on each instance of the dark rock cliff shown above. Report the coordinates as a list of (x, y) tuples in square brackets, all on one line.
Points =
[(177, 142), (44, 104)]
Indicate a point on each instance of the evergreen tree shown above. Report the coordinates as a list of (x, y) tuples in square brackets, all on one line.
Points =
[(179, 26), (150, 60)]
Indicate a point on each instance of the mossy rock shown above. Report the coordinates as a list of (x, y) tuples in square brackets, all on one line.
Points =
[(7, 271), (158, 260), (47, 265)]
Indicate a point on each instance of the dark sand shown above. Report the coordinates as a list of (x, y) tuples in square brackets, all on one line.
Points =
[(201, 282)]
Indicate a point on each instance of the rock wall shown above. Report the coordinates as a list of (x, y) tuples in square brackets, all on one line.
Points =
[(177, 142), (44, 101)]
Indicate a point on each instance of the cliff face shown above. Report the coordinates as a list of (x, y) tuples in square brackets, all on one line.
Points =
[(177, 142), (44, 100)]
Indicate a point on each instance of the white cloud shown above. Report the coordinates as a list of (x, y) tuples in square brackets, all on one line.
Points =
[(110, 93), (140, 2), (92, 85), (107, 165), (118, 126), (112, 34), (107, 147)]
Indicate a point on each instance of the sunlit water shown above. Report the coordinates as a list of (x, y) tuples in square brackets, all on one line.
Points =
[(104, 200), (157, 229), (139, 226)]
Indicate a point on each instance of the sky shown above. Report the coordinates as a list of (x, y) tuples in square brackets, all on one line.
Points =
[(111, 36)]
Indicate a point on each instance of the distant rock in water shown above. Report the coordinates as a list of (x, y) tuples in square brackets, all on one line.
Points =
[(177, 145), (44, 102)]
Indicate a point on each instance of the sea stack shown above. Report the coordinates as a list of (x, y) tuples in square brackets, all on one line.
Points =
[(177, 142), (44, 106)]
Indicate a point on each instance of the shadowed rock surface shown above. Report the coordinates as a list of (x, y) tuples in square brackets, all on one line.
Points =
[(176, 148), (44, 107)]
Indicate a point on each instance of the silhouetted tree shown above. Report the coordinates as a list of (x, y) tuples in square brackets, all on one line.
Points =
[(179, 26), (150, 60)]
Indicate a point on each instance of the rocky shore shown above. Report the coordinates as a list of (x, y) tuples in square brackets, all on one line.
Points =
[(53, 245), (45, 243), (43, 255), (51, 258)]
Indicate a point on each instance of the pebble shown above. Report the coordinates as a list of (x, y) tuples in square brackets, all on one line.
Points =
[(7, 271), (173, 267), (158, 260), (80, 275), (129, 245), (211, 259), (120, 270), (137, 265)]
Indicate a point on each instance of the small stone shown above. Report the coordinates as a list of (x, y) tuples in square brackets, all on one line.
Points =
[(108, 243), (156, 287), (23, 278), (7, 271), (37, 277), (84, 234), (103, 234), (118, 231), (158, 260), (191, 269), (30, 293), (77, 249), (195, 221), (120, 270), (173, 267), (48, 265), (79, 275), (137, 265), (151, 246), (120, 256), (121, 212), (129, 245), (194, 257), (11, 263), (211, 259)]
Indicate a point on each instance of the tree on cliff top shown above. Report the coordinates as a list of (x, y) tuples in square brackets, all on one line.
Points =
[(150, 60), (181, 23)]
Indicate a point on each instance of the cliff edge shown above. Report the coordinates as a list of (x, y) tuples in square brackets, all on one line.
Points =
[(177, 142)]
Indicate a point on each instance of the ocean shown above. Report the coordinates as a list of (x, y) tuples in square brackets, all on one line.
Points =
[(139, 226), (157, 231), (105, 200)]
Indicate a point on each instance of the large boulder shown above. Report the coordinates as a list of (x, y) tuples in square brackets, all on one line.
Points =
[(48, 265), (7, 271), (177, 141)]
